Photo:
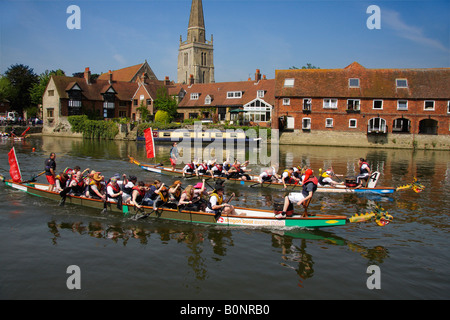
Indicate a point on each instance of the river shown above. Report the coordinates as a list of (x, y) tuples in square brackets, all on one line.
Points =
[(119, 258)]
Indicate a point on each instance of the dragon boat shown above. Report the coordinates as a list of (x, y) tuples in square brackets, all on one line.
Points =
[(254, 182), (245, 217)]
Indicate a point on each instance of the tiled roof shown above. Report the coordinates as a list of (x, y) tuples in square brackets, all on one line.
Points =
[(373, 83), (93, 91), (218, 93), (125, 74)]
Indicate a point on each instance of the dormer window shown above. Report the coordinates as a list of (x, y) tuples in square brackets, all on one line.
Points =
[(289, 83), (401, 83), (208, 99), (353, 83), (74, 102), (260, 94), (194, 96), (234, 94)]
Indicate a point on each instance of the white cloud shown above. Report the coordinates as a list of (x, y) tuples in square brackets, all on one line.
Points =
[(414, 33)]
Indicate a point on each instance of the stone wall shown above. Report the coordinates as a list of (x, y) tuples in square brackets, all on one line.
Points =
[(347, 139)]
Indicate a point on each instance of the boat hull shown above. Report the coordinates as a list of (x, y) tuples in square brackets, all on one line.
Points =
[(254, 183), (248, 217)]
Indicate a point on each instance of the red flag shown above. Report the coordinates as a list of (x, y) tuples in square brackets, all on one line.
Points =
[(14, 169), (23, 133), (149, 145)]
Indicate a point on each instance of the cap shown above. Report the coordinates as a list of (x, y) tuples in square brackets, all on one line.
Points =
[(198, 185)]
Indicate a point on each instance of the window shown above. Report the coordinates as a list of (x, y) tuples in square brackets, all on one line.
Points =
[(377, 125), (448, 106), (289, 83), (429, 105), (50, 113), (352, 123), (401, 83), (208, 99), (353, 83), (234, 94), (330, 103), (353, 105), (260, 94), (51, 93), (402, 105), (378, 104), (306, 123), (194, 96), (257, 110), (329, 122), (286, 102), (307, 104)]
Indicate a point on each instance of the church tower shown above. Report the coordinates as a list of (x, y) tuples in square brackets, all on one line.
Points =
[(195, 56)]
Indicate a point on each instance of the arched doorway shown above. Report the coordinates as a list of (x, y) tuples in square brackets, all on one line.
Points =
[(401, 125), (428, 126)]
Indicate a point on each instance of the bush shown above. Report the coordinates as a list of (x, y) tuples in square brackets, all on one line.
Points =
[(93, 129), (162, 116)]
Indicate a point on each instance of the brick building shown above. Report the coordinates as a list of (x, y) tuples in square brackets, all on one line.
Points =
[(250, 102), (116, 94), (357, 99)]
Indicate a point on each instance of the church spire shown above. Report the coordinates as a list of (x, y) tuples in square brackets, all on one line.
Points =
[(196, 28)]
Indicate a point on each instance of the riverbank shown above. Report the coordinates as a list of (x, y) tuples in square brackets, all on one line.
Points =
[(297, 137)]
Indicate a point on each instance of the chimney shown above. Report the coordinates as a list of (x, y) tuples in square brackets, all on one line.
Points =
[(191, 80), (110, 77), (87, 75), (257, 75), (264, 77), (166, 81)]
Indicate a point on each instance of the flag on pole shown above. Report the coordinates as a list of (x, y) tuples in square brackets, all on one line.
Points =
[(149, 144), (14, 169), (23, 133)]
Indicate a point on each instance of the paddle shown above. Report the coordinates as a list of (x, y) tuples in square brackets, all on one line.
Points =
[(33, 179)]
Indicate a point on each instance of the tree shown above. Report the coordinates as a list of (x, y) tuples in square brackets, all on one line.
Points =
[(22, 78), (164, 102), (38, 89), (5, 88), (308, 66)]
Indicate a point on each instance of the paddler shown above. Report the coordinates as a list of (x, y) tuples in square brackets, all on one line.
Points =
[(95, 188), (288, 177), (364, 172), (325, 178), (113, 191), (269, 175), (138, 194), (309, 187), (217, 205)]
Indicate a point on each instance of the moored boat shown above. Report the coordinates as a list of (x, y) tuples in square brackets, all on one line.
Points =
[(248, 217)]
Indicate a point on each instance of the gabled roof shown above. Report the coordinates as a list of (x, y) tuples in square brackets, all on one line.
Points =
[(218, 93), (124, 90), (129, 74), (373, 83)]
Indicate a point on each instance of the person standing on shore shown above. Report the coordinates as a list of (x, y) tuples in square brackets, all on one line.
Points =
[(174, 155), (50, 168)]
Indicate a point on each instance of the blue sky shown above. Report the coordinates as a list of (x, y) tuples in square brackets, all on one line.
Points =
[(248, 35)]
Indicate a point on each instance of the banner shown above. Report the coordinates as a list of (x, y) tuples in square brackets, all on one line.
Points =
[(149, 144), (14, 169)]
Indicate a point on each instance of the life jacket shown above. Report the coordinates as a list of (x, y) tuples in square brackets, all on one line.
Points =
[(141, 193), (80, 183), (177, 194), (116, 188), (202, 167), (164, 195), (312, 180), (363, 171), (219, 200), (191, 167)]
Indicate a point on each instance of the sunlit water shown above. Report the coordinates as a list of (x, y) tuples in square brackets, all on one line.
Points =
[(124, 259)]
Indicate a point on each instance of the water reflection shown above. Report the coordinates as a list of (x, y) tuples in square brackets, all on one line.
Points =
[(292, 245)]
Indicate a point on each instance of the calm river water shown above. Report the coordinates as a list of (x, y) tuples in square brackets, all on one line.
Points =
[(124, 259)]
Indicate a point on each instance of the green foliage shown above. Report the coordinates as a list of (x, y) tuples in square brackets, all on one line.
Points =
[(38, 89), (144, 111), (162, 117), (164, 102), (21, 79), (93, 129)]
